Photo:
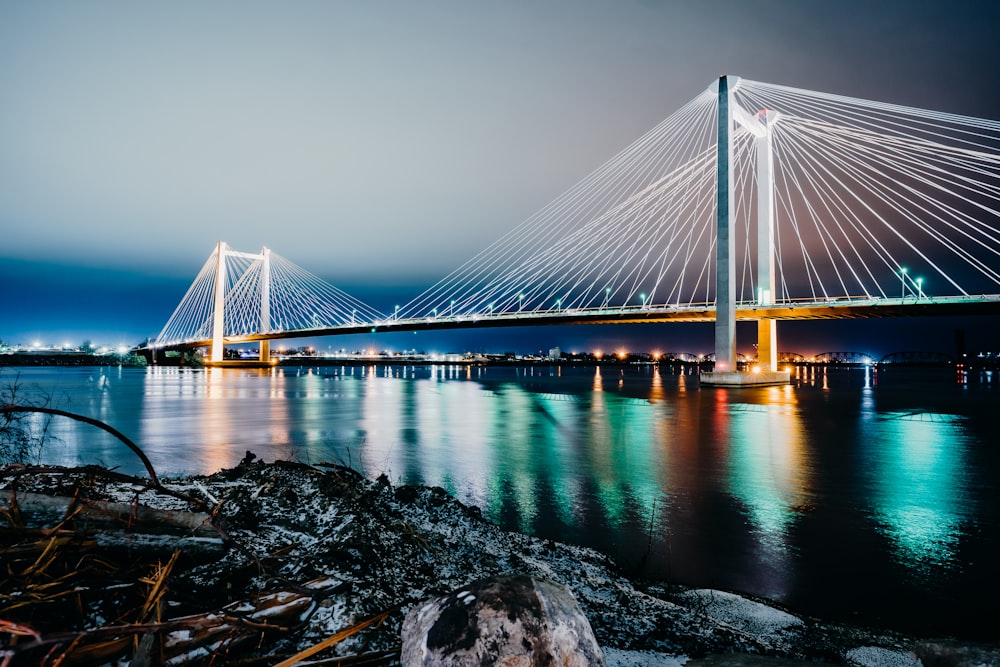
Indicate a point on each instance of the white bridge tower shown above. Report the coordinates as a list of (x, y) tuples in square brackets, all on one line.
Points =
[(221, 282), (760, 126)]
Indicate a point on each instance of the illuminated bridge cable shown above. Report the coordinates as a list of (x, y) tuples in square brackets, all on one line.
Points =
[(863, 191), (297, 299), (870, 201), (573, 251)]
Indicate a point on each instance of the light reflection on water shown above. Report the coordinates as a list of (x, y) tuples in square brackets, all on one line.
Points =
[(770, 477), (916, 470), (848, 492)]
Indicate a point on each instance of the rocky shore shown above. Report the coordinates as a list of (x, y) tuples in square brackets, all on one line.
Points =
[(256, 564)]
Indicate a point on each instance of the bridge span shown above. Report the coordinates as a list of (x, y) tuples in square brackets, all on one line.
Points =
[(832, 309), (753, 202)]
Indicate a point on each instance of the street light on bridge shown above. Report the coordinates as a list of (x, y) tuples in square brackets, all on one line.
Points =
[(920, 289), (902, 279)]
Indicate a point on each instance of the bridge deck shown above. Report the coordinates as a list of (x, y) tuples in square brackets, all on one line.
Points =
[(829, 310)]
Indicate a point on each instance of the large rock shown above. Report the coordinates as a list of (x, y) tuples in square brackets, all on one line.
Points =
[(512, 621)]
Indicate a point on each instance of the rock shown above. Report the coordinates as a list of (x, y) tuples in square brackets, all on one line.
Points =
[(514, 621), (951, 653)]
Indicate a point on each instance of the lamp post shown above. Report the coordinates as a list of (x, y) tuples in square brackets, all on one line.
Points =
[(607, 296), (920, 289), (354, 314), (520, 302), (642, 298), (902, 280), (451, 312), (395, 313)]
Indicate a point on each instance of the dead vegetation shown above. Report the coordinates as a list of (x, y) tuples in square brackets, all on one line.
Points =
[(87, 580)]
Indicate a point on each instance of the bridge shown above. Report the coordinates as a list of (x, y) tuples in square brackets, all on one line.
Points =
[(751, 202)]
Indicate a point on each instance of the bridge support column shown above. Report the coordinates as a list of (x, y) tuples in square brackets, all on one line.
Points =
[(767, 330), (218, 319), (767, 345), (725, 249), (265, 304)]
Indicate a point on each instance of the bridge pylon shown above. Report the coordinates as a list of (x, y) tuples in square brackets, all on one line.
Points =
[(767, 330), (759, 125), (223, 251)]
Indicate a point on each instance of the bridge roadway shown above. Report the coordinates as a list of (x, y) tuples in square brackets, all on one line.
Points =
[(831, 309)]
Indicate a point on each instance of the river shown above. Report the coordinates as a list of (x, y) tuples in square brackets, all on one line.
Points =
[(867, 495)]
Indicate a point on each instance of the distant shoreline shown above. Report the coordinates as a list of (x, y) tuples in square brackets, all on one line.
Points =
[(80, 359)]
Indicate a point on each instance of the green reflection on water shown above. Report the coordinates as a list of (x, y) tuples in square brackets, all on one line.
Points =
[(543, 440), (917, 471)]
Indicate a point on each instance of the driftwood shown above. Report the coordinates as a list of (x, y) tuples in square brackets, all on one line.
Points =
[(48, 511), (108, 524)]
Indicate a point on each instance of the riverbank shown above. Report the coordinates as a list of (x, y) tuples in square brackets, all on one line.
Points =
[(307, 551)]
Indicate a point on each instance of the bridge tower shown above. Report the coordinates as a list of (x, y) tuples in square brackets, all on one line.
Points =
[(759, 126), (219, 314), (767, 332), (265, 303), (725, 249), (219, 308)]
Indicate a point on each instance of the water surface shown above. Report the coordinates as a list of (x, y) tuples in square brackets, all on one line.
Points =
[(850, 494)]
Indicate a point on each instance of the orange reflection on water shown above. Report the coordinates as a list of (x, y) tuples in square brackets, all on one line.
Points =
[(216, 427), (656, 389)]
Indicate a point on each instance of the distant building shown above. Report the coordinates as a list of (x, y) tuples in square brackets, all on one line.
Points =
[(555, 353)]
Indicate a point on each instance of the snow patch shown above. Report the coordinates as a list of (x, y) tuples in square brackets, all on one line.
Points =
[(875, 656), (746, 615), (616, 657)]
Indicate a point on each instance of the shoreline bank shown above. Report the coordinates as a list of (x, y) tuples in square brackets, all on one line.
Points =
[(350, 548)]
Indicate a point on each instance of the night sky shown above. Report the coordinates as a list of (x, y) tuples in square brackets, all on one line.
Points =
[(381, 144)]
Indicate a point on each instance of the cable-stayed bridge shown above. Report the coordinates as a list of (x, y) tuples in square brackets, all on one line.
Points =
[(751, 202)]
